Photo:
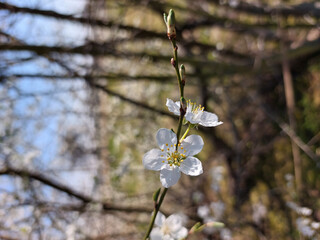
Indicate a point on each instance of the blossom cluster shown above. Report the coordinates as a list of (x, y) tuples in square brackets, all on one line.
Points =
[(305, 224), (176, 155), (169, 228), (173, 156)]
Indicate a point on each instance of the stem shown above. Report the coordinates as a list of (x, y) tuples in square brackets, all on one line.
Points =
[(179, 128), (185, 134), (181, 86), (155, 212), (176, 65), (182, 113)]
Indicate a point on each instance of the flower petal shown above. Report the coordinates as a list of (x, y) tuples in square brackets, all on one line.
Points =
[(181, 234), (152, 160), (160, 219), (167, 237), (191, 166), (209, 119), (174, 222), (193, 118), (156, 234), (173, 107), (193, 144), (203, 211), (169, 176), (166, 136)]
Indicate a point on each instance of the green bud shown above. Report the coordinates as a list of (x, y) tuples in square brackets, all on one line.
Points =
[(171, 18), (215, 224), (198, 227), (195, 228), (182, 71), (170, 22), (156, 195), (165, 17)]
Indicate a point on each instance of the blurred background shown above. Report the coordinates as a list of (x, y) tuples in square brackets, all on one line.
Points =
[(83, 86)]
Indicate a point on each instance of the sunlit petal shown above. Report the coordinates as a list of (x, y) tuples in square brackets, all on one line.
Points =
[(160, 218), (193, 144), (165, 138), (181, 233), (152, 160), (169, 176), (174, 222), (209, 120), (173, 107), (156, 234), (191, 166)]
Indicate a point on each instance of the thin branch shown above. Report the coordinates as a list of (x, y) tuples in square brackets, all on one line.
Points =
[(49, 181), (129, 100), (299, 10), (290, 103)]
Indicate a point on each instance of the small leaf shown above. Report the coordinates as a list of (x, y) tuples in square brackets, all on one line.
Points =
[(156, 195)]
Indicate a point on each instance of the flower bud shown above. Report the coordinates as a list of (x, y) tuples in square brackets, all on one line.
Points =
[(215, 224), (173, 62), (165, 17), (170, 22), (195, 228), (182, 72)]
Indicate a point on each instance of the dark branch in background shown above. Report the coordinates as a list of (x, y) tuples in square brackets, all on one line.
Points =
[(126, 99), (305, 51), (109, 77), (94, 49), (299, 10), (82, 20), (225, 62), (49, 181), (138, 32), (225, 23)]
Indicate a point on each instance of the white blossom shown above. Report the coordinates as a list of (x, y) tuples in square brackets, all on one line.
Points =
[(171, 159), (315, 225), (226, 234), (299, 210), (218, 209), (304, 228), (170, 228), (195, 114), (203, 211), (259, 212)]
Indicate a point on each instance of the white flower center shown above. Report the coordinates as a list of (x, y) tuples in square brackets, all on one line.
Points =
[(174, 157), (194, 108), (165, 230)]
